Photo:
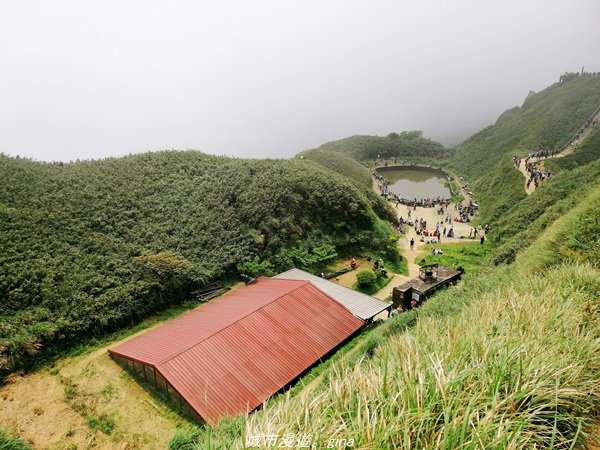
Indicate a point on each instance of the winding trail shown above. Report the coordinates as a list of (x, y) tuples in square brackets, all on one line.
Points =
[(567, 149)]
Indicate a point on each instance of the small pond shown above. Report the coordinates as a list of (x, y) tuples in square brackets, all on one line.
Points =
[(416, 182)]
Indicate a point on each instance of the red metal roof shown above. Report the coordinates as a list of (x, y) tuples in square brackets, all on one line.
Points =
[(230, 355)]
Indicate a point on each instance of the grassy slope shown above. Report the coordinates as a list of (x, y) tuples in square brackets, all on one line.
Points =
[(342, 164), (467, 256), (509, 358), (547, 118), (576, 174)]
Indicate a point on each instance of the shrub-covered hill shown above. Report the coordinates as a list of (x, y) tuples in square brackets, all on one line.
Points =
[(91, 246), (342, 164), (546, 119), (575, 176), (410, 145), (356, 173)]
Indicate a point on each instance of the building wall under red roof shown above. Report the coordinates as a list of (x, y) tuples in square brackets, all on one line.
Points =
[(229, 356)]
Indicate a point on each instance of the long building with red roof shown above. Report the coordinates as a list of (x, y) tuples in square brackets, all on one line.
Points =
[(228, 356)]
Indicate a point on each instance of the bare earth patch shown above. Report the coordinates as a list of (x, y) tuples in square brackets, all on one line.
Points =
[(86, 402)]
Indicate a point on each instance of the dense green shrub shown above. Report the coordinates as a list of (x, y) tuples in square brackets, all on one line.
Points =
[(366, 279), (92, 246), (406, 145)]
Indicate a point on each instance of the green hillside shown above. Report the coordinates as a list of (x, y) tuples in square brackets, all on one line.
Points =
[(93, 246), (509, 358), (546, 119), (408, 145)]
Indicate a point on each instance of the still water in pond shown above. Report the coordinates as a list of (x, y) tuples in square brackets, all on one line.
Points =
[(416, 182)]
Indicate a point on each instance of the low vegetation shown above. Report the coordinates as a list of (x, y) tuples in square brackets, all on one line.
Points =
[(466, 256), (86, 406), (9, 442), (370, 281)]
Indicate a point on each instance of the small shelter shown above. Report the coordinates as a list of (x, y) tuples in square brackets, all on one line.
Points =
[(432, 277)]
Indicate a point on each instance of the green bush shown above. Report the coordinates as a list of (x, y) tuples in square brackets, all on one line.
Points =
[(256, 268), (366, 279)]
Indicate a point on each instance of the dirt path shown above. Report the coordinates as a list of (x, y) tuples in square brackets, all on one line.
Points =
[(569, 149), (461, 230)]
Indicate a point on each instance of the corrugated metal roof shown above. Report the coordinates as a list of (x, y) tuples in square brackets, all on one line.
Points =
[(230, 355), (361, 305)]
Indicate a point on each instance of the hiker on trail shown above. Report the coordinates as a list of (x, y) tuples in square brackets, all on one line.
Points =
[(353, 263), (376, 265), (482, 240), (412, 243)]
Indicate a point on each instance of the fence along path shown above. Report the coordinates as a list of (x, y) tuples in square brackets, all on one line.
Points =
[(569, 147)]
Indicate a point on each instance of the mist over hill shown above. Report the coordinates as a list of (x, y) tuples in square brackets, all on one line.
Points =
[(508, 358)]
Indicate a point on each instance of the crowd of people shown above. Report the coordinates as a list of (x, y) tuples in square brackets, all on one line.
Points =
[(422, 202), (570, 76), (591, 122), (536, 174), (466, 211)]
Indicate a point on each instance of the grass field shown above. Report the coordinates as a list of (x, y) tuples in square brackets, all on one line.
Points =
[(468, 255)]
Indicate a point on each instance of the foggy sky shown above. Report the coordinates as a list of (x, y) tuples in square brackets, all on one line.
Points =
[(89, 79)]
